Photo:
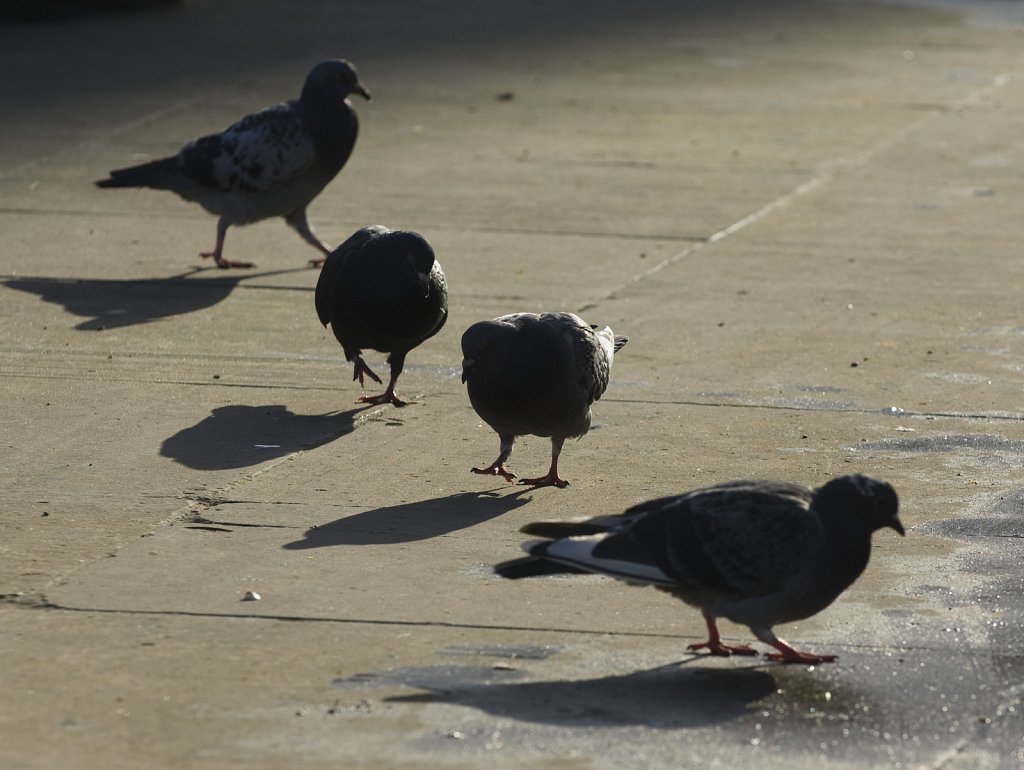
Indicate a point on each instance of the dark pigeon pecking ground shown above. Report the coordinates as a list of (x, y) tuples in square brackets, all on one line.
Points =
[(384, 290)]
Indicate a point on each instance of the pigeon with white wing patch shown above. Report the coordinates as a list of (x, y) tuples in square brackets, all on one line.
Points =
[(759, 553)]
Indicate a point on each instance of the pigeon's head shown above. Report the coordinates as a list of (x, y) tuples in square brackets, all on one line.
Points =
[(332, 80), (872, 501), (477, 343), (417, 251)]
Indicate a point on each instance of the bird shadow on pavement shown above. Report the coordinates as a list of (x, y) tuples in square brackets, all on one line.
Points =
[(112, 303), (238, 436), (673, 696), (409, 522)]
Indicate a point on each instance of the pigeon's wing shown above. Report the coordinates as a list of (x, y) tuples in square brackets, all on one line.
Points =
[(328, 285), (516, 319), (741, 539), (592, 352), (258, 153), (744, 538)]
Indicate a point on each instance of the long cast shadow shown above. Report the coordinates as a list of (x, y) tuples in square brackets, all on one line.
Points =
[(408, 522), (238, 436), (108, 304), (667, 697)]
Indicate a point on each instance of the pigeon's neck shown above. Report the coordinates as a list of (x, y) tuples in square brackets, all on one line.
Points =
[(847, 547), (333, 127)]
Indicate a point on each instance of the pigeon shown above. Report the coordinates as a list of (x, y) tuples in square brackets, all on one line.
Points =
[(272, 163), (759, 553), (536, 374), (382, 289)]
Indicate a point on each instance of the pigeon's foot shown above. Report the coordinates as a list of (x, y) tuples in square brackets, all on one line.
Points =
[(551, 479), (383, 398), (714, 643), (496, 469), (360, 369), (787, 654), (324, 249), (388, 396), (222, 263), (715, 647), (795, 656)]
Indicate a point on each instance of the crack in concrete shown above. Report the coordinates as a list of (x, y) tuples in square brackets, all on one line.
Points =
[(34, 600), (453, 227), (885, 411), (1010, 702)]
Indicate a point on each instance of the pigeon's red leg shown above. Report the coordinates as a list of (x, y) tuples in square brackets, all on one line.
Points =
[(360, 369), (497, 468), (551, 479), (385, 397), (714, 643), (223, 264), (297, 220), (319, 262), (787, 654)]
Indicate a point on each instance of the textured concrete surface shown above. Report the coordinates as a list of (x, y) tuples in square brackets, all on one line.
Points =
[(805, 215)]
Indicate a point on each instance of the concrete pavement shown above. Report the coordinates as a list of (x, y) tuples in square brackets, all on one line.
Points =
[(806, 216)]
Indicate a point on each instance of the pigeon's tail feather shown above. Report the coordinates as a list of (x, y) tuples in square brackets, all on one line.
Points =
[(553, 530), (620, 340), (530, 566), (163, 174), (603, 554)]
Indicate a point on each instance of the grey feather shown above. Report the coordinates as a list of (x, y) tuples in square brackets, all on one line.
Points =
[(537, 374)]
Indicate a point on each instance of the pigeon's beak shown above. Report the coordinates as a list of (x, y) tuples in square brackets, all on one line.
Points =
[(897, 526), (466, 363), (361, 90)]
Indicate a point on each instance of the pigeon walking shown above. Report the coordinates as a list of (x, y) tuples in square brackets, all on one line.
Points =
[(536, 374), (382, 289), (759, 553), (269, 164)]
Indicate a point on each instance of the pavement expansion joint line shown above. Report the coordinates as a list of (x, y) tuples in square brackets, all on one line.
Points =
[(828, 171), (894, 650), (887, 411), (93, 377)]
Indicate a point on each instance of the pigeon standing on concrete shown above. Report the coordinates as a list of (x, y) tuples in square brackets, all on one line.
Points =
[(756, 552), (536, 374), (269, 164), (382, 289)]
